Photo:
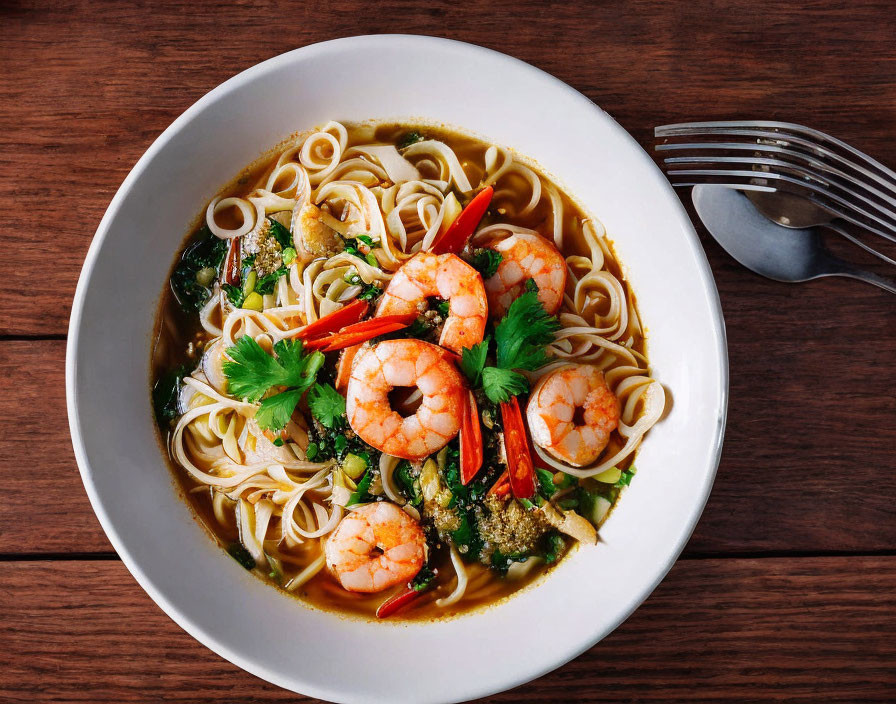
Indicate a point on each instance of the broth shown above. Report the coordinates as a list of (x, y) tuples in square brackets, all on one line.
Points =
[(183, 338)]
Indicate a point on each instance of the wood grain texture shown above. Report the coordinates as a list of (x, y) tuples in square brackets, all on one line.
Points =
[(86, 86), (740, 630)]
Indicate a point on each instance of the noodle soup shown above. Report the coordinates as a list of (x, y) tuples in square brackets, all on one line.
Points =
[(399, 371)]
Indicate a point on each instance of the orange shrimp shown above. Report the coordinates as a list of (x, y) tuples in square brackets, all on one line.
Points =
[(447, 276), (551, 413), (526, 256), (405, 363), (375, 547)]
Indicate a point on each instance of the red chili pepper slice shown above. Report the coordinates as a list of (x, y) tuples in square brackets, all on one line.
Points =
[(348, 337), (519, 461), (458, 232), (470, 441), (232, 263), (501, 486), (400, 600), (334, 321)]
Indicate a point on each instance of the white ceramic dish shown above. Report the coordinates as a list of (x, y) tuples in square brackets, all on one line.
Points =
[(209, 594)]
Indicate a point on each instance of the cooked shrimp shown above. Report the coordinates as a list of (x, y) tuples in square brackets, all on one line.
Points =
[(552, 413), (405, 363), (526, 256), (447, 276), (374, 548)]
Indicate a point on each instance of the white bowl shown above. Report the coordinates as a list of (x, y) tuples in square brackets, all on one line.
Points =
[(209, 594)]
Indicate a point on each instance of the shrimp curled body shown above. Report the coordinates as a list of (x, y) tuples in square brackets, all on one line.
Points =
[(447, 276), (552, 407), (405, 363), (375, 547), (526, 256)]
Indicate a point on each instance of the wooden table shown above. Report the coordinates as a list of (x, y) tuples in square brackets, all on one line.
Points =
[(787, 590)]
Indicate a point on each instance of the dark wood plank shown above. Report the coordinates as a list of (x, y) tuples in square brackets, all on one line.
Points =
[(790, 479), (745, 630), (86, 86)]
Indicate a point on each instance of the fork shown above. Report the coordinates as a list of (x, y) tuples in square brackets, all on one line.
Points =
[(845, 186)]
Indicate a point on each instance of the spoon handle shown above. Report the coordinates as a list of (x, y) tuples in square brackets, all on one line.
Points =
[(867, 277)]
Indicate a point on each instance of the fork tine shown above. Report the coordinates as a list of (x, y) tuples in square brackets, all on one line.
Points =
[(830, 176), (829, 162), (747, 180), (777, 129)]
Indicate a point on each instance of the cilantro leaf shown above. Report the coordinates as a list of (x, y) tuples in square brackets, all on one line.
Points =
[(472, 361), (207, 252), (500, 384), (523, 332), (274, 412), (252, 372), (327, 405), (486, 262), (409, 138)]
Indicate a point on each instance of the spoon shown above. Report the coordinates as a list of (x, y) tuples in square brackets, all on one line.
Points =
[(799, 212), (771, 250)]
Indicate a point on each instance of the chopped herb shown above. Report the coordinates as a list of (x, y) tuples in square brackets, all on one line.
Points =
[(556, 546), (369, 292), (424, 578), (372, 260), (528, 505), (409, 138), (443, 308), (502, 562), (288, 255), (360, 495), (486, 262), (312, 451), (278, 442), (241, 555), (368, 241), (266, 283), (407, 483), (327, 405), (466, 538), (340, 443), (545, 482), (207, 252), (280, 233), (234, 294), (626, 477)]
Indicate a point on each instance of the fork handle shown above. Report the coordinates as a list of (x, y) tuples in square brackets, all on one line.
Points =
[(855, 240), (866, 276)]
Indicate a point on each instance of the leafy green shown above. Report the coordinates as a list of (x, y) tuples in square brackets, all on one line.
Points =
[(486, 262), (327, 405), (424, 578), (370, 292), (266, 283), (626, 477), (407, 483), (409, 138), (235, 294), (274, 412), (368, 241), (466, 538), (241, 555), (521, 335), (555, 547), (206, 252), (500, 384), (253, 372), (443, 308), (545, 482), (472, 361), (165, 392), (360, 495), (280, 233)]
